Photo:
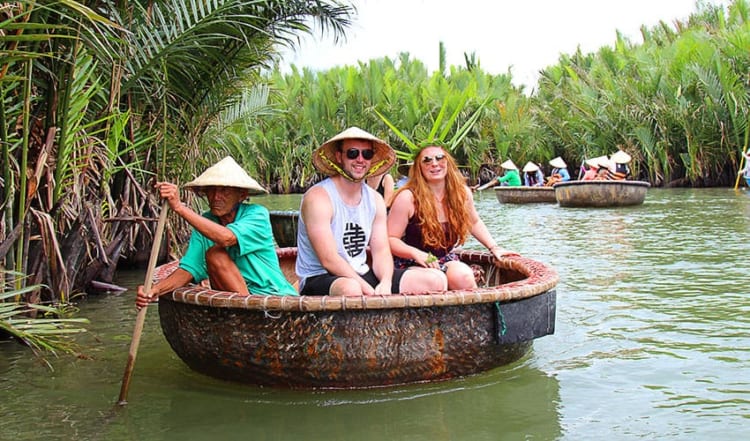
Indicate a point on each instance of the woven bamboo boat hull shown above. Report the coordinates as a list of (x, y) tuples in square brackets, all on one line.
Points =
[(600, 193), (284, 227), (323, 342), (525, 195)]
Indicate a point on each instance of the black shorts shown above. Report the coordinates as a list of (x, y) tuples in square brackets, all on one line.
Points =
[(321, 285)]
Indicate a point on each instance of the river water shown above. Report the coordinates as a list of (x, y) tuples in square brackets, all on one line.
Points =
[(652, 341)]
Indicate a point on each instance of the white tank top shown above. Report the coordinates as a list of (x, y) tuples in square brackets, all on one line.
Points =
[(351, 227)]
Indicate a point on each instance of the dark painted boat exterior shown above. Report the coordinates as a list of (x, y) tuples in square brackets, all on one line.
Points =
[(284, 227), (313, 342), (601, 193), (525, 195)]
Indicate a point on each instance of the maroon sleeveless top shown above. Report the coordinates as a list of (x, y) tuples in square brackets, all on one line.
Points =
[(413, 237)]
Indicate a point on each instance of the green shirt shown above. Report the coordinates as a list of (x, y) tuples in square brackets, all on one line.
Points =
[(511, 178), (254, 254)]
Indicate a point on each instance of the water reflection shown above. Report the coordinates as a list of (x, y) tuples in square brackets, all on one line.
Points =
[(503, 404)]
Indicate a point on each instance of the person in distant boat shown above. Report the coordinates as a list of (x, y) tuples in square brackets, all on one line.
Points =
[(341, 216), (745, 172), (620, 162), (559, 172), (533, 176), (510, 177), (604, 170), (434, 213), (592, 170), (231, 244), (403, 173), (384, 185)]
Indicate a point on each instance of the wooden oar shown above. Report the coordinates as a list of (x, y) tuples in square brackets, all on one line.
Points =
[(492, 182), (141, 317)]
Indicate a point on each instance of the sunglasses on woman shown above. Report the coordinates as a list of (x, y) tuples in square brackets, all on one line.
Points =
[(437, 158), (354, 153)]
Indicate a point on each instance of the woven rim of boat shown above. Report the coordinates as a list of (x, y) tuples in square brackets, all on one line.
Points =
[(523, 188), (602, 182), (539, 279), (288, 213)]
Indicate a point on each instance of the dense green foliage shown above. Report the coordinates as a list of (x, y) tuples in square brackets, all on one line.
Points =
[(99, 99), (677, 103)]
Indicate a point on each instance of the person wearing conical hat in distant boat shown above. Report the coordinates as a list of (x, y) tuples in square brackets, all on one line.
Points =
[(620, 161), (591, 171), (341, 216), (745, 172), (559, 172), (403, 174), (231, 244), (510, 177), (533, 176), (604, 170)]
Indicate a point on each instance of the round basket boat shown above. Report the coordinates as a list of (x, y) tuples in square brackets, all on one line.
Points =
[(525, 195), (329, 342), (284, 227), (600, 193)]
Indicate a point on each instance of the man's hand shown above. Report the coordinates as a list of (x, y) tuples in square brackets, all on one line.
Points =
[(143, 299), (170, 193)]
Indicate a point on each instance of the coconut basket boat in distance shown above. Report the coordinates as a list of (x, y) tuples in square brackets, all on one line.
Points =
[(600, 193), (525, 195), (324, 342)]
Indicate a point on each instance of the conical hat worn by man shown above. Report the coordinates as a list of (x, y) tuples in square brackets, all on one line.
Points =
[(558, 163), (509, 165), (530, 167), (225, 173), (620, 157), (324, 158)]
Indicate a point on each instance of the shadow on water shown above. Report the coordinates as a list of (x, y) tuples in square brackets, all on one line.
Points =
[(505, 404)]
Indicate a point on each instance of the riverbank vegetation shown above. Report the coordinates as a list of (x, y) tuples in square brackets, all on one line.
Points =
[(43, 328), (677, 102), (97, 100)]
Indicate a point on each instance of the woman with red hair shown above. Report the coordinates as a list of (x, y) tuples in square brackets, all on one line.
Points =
[(434, 213)]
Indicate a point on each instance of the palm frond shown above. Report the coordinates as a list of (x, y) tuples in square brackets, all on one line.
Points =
[(41, 327)]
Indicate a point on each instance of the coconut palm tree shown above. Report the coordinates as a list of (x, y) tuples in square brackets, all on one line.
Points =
[(98, 98)]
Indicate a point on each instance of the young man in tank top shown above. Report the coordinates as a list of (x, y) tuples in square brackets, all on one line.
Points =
[(341, 216)]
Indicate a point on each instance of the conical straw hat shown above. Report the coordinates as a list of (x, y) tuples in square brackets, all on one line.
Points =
[(593, 162), (225, 173), (620, 157), (530, 167), (604, 162), (324, 157), (558, 163), (599, 161), (509, 165)]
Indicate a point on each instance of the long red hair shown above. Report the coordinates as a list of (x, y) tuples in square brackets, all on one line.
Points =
[(454, 204)]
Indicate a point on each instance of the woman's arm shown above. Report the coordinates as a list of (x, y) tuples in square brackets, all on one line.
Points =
[(482, 234)]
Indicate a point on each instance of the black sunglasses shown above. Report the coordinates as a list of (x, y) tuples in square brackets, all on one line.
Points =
[(436, 158), (354, 153)]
